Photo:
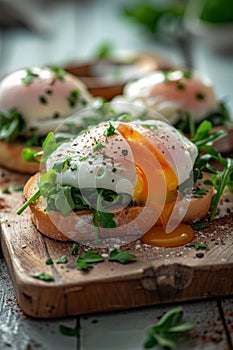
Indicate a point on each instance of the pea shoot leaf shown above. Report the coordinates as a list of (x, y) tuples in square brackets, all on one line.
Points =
[(199, 225), (49, 261), (62, 260), (30, 155), (88, 260), (121, 256), (49, 146), (198, 246), (43, 276), (168, 330), (74, 249), (71, 332), (220, 179), (12, 125)]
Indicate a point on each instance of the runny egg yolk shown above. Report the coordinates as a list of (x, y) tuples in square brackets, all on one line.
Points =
[(181, 235), (157, 185)]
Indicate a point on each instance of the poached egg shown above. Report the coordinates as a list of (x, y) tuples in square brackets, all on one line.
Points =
[(173, 92), (147, 160), (43, 96)]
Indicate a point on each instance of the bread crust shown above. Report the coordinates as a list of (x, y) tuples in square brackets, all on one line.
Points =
[(131, 222), (11, 158)]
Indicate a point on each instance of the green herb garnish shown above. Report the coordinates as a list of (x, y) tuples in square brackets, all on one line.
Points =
[(121, 256), (43, 276), (204, 137), (82, 159), (49, 145), (111, 130), (73, 98), (62, 260), (199, 225), (198, 246), (98, 146), (30, 76), (58, 72), (71, 332), (168, 331), (31, 155), (15, 188), (6, 190), (220, 179), (104, 50), (187, 73), (88, 260), (62, 166), (33, 198), (199, 192), (49, 261), (12, 125), (74, 249)]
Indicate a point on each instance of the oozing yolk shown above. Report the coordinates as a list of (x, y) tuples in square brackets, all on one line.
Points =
[(157, 181), (181, 235), (157, 185)]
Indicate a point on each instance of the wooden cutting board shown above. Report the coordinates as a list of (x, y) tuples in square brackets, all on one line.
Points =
[(159, 275)]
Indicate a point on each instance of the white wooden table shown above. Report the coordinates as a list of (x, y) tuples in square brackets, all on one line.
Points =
[(72, 30)]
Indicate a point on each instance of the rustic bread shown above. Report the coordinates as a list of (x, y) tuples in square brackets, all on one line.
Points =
[(11, 158), (131, 221)]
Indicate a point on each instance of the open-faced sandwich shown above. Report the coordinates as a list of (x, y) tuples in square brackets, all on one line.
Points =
[(128, 180), (34, 101)]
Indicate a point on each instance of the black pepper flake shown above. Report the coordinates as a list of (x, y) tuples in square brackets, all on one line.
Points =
[(56, 115), (200, 96), (180, 86), (200, 255), (124, 152), (32, 129), (49, 91)]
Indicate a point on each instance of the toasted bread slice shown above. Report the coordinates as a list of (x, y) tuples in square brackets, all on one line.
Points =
[(130, 222)]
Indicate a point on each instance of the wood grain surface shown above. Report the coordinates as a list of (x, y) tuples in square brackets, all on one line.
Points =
[(159, 275)]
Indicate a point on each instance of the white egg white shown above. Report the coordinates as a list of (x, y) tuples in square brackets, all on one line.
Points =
[(148, 91), (179, 151), (46, 100), (112, 166)]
